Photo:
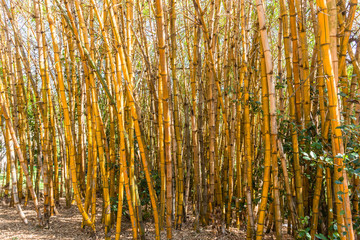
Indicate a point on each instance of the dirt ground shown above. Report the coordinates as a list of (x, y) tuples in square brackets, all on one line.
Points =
[(66, 225)]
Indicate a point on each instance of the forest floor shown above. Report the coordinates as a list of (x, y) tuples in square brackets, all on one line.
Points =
[(66, 225)]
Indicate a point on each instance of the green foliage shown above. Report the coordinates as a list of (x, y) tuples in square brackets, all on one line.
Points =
[(304, 233), (321, 236)]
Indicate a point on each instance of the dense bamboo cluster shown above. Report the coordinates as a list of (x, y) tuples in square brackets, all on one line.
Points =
[(237, 113)]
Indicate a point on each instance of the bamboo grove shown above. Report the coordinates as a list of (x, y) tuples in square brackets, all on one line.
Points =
[(237, 113)]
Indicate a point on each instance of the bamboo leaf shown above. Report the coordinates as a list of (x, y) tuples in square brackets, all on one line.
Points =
[(321, 236)]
